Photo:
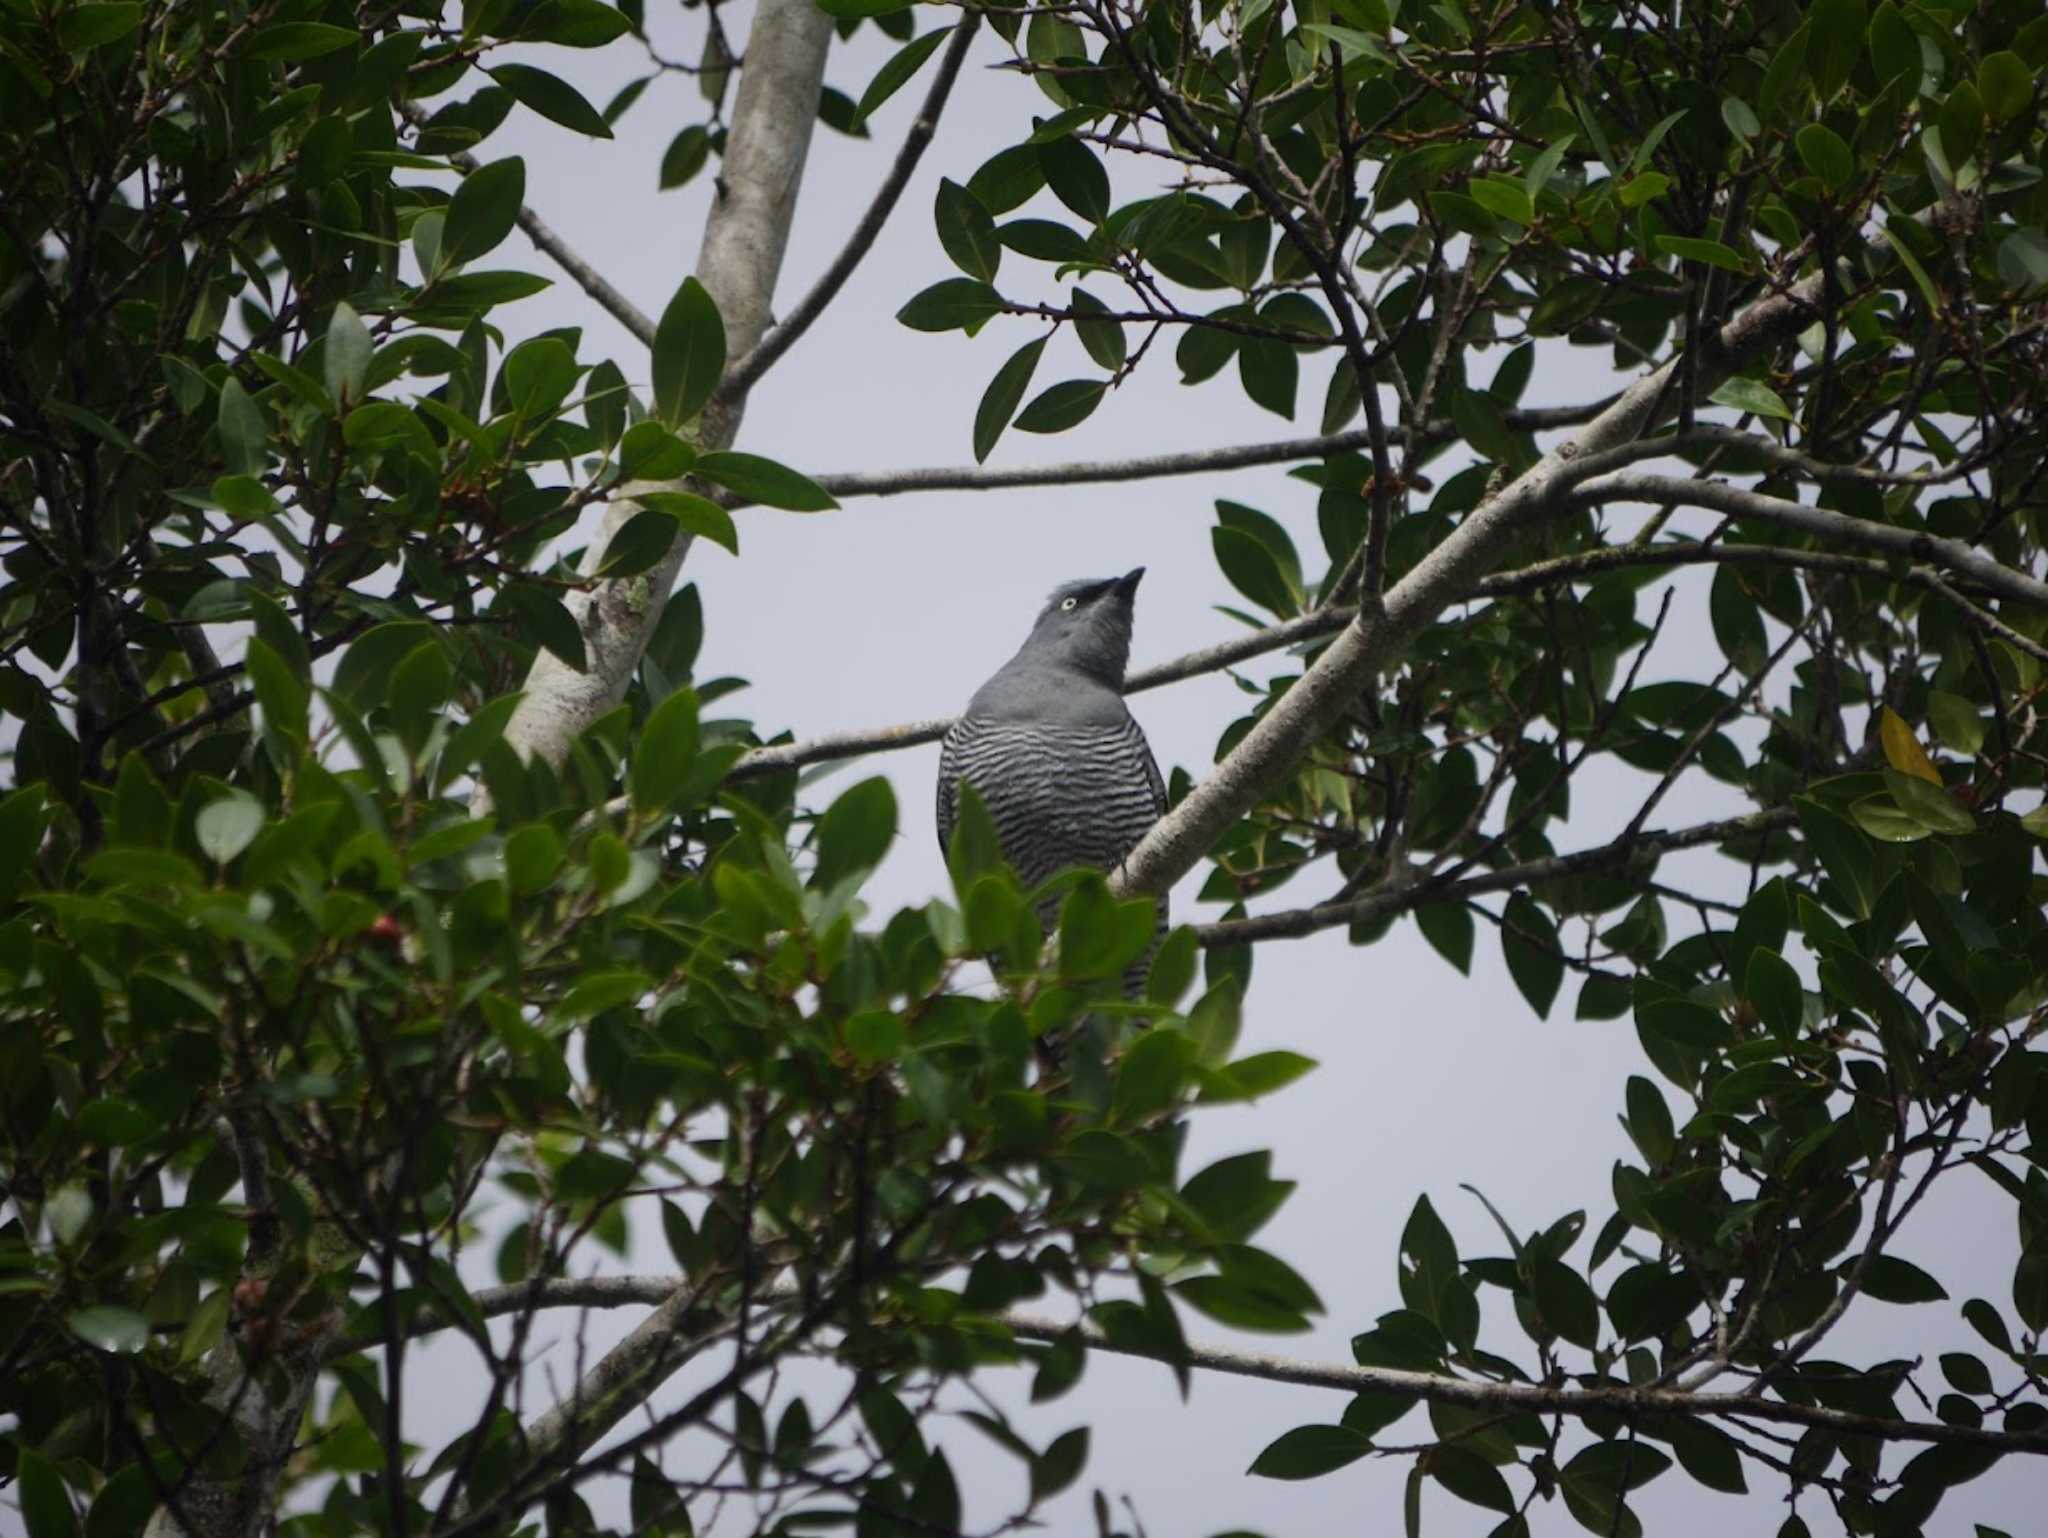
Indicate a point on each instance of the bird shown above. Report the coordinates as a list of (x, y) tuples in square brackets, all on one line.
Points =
[(1051, 749)]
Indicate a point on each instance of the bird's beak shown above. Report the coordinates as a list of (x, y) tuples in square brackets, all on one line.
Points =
[(1127, 584)]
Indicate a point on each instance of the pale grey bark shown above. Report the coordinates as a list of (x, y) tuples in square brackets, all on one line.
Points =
[(744, 242)]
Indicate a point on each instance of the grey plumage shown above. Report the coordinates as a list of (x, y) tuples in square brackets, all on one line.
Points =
[(1047, 743)]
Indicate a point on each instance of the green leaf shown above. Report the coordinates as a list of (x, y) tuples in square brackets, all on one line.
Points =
[(1448, 928), (1060, 1464), (1504, 199), (483, 211), (1894, 46), (694, 515), (1253, 570), (94, 25), (856, 831), (574, 23), (244, 435), (665, 757), (1101, 336), (226, 827), (689, 354), (1076, 177), (1708, 1454), (46, 1509), (1962, 124), (279, 691), (966, 231), (1529, 944), (1000, 400), (685, 156), (552, 97), (1913, 268), (1752, 396), (1061, 406), (1712, 252), (107, 1328), (2005, 85), (953, 304), (764, 481), (1892, 1280), (293, 40), (1008, 178), (1565, 1301), (1774, 988), (1100, 935), (639, 544), (1470, 1477), (1270, 372), (876, 1036), (1826, 155), (1309, 1451), (1152, 1073), (1738, 623), (533, 854), (898, 71)]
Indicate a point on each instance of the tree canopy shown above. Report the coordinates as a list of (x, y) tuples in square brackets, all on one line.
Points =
[(375, 859)]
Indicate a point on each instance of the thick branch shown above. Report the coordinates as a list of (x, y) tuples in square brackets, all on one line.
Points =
[(1437, 1388), (1384, 627), (1717, 496), (744, 242), (1622, 853), (742, 376)]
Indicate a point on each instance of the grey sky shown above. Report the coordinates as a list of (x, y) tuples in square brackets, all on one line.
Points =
[(892, 610)]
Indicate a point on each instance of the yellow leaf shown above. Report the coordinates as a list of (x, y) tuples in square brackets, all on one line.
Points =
[(1902, 749)]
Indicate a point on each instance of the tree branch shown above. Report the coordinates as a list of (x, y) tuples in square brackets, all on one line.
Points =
[(744, 242), (1386, 625), (1309, 627), (558, 250), (1437, 1388), (1622, 852), (1717, 496), (742, 376), (1244, 456)]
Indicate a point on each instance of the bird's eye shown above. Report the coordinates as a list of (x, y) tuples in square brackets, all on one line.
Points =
[(1068, 603)]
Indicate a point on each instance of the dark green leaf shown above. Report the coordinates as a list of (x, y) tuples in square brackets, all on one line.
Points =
[(94, 24), (765, 481), (293, 40), (689, 354), (999, 402), (1061, 406), (685, 157), (1470, 1477), (694, 515), (953, 304), (1076, 177), (856, 831), (552, 97), (483, 211), (898, 71), (244, 435), (966, 231), (1309, 1451), (1893, 1280), (1528, 941)]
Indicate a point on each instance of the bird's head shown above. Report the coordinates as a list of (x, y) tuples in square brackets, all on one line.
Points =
[(1086, 626)]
